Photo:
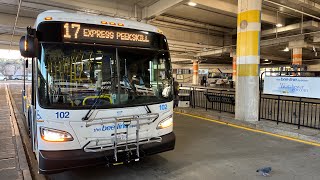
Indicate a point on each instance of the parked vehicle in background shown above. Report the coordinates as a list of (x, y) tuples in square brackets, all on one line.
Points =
[(29, 77), (17, 77), (3, 78)]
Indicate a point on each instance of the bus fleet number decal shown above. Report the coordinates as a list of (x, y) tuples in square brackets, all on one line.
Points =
[(62, 115), (163, 107)]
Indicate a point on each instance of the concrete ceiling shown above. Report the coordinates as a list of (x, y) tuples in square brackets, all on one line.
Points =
[(206, 31), (203, 15)]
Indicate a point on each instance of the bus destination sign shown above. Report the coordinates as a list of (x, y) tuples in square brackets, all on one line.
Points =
[(87, 33)]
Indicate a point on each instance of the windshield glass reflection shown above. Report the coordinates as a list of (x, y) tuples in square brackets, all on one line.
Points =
[(76, 76)]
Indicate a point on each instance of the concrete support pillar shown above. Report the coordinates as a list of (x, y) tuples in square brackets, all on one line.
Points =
[(297, 56), (195, 77), (248, 60)]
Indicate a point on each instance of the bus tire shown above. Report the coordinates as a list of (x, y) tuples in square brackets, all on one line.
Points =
[(29, 122)]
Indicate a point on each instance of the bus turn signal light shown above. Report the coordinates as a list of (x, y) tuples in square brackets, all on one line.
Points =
[(25, 44), (53, 135)]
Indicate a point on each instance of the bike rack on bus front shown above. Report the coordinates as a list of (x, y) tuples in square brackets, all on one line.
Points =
[(150, 117)]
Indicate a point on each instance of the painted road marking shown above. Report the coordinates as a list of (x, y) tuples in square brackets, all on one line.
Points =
[(251, 129)]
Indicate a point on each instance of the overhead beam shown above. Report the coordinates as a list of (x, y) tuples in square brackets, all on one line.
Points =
[(228, 50), (310, 25), (214, 52), (281, 40), (232, 9), (292, 9), (7, 38), (271, 57), (8, 30), (6, 45), (310, 4), (109, 8), (302, 44), (263, 43), (183, 22), (175, 26), (316, 38), (184, 49), (159, 8), (8, 20), (188, 44), (181, 59)]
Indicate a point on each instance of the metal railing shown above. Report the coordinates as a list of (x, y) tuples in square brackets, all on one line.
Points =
[(298, 111), (198, 98), (291, 110)]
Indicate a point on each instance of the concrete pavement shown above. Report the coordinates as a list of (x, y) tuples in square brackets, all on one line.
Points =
[(207, 150), (13, 164), (304, 133)]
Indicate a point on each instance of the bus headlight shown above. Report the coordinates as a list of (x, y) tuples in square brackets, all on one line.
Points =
[(165, 123), (54, 135)]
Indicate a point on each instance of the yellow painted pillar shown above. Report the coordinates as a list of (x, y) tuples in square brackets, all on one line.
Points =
[(195, 76), (248, 60)]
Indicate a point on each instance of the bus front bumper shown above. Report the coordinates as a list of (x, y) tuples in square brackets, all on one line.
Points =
[(58, 161)]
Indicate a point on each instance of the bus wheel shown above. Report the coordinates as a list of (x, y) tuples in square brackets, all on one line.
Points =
[(29, 122)]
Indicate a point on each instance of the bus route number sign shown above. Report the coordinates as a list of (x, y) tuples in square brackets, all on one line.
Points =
[(76, 32)]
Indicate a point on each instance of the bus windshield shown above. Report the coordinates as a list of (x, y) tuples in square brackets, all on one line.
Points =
[(80, 76)]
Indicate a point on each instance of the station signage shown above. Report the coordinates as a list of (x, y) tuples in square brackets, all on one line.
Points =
[(203, 71), (88, 33), (292, 86)]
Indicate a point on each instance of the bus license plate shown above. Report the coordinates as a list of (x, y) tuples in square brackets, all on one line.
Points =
[(121, 137)]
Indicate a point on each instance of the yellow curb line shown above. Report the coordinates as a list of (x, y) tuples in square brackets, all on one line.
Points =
[(251, 129)]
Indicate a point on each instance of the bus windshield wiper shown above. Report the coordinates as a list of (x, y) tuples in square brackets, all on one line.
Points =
[(87, 116)]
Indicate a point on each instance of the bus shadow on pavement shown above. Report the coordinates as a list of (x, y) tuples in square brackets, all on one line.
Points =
[(150, 167)]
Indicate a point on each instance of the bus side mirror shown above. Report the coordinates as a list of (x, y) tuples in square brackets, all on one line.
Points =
[(28, 46)]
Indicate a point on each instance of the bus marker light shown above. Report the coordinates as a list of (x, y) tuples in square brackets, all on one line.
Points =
[(112, 23), (48, 18), (104, 22), (53, 135), (166, 123), (120, 24)]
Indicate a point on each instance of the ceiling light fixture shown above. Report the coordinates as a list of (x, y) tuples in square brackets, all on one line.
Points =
[(266, 60), (286, 49), (279, 25), (192, 3)]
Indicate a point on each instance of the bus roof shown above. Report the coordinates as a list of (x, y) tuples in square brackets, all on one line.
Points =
[(55, 15)]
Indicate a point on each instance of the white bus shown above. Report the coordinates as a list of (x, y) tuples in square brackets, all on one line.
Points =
[(101, 91)]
